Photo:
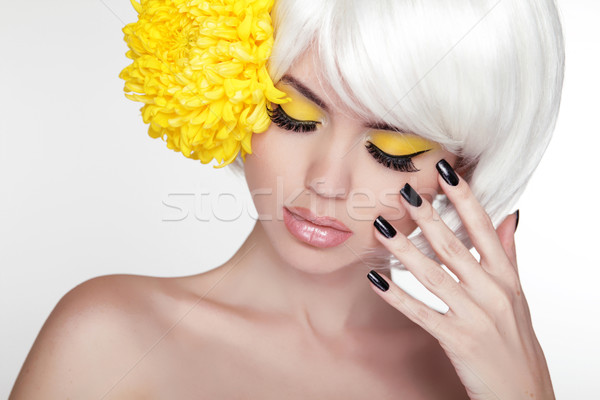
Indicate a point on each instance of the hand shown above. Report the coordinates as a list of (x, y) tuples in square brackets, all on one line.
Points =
[(487, 331)]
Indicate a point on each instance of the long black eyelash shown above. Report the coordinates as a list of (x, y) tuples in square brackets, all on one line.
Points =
[(284, 121), (397, 163)]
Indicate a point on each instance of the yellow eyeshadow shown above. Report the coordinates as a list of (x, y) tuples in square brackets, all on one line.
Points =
[(398, 144), (299, 107)]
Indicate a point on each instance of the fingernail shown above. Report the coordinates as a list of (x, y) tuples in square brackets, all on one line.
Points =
[(517, 221), (411, 196), (384, 227), (378, 281), (447, 172)]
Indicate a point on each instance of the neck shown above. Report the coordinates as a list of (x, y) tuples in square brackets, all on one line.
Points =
[(325, 304)]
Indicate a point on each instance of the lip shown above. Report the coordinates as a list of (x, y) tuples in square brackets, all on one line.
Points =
[(317, 231), (306, 214)]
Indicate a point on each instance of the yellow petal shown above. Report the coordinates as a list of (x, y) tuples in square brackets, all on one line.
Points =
[(244, 28)]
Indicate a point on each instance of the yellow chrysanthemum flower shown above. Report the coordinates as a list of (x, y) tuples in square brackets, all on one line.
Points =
[(199, 67)]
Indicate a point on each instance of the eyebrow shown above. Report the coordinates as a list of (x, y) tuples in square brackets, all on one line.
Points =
[(382, 126), (312, 96), (305, 91)]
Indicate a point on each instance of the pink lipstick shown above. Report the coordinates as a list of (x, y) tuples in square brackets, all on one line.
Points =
[(316, 231)]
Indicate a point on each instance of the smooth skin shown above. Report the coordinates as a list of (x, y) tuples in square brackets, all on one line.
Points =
[(280, 319), (487, 332), (284, 320)]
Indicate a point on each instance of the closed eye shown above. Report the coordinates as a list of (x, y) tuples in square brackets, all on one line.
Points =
[(284, 121), (401, 163)]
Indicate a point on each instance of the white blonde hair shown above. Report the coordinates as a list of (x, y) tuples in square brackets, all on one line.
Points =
[(482, 78)]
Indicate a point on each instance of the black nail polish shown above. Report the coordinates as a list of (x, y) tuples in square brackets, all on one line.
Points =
[(378, 281), (517, 221), (411, 196), (384, 227), (447, 172)]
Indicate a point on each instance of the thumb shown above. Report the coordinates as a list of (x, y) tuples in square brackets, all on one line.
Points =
[(506, 234)]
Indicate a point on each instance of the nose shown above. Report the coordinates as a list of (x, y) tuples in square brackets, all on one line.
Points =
[(329, 172)]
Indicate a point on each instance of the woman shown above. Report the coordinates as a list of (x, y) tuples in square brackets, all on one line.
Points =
[(383, 102)]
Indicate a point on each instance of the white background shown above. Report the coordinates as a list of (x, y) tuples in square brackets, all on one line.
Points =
[(82, 186)]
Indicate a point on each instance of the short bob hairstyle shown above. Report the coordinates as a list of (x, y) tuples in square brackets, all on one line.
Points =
[(481, 78)]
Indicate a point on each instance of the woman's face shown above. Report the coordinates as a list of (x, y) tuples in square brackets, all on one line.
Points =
[(317, 156)]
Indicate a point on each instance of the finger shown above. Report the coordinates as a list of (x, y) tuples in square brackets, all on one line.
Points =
[(427, 271), (473, 216), (506, 234), (430, 320), (450, 250)]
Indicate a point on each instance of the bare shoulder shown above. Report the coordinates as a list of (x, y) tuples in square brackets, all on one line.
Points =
[(94, 335)]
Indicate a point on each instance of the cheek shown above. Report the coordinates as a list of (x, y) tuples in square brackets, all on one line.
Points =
[(269, 172), (377, 192), (260, 166), (271, 153), (258, 174)]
